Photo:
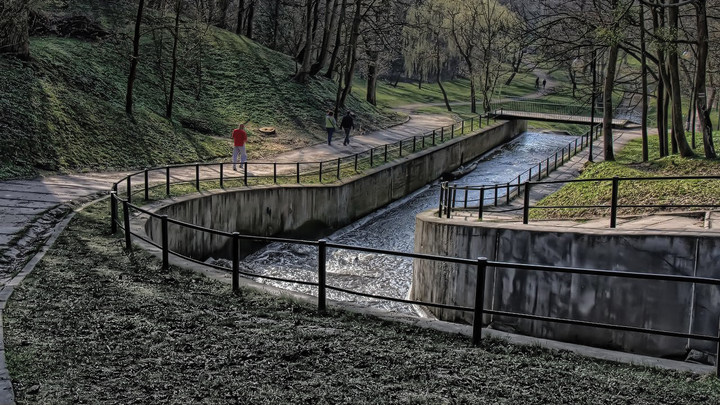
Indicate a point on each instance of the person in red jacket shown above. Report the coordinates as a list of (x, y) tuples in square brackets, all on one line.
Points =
[(239, 137)]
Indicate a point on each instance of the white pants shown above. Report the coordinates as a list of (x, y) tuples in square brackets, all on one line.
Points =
[(243, 155)]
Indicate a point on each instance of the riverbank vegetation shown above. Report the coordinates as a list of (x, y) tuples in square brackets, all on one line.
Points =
[(96, 324), (629, 164)]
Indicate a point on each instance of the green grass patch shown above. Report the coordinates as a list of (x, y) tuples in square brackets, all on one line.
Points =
[(95, 324), (629, 164), (64, 110)]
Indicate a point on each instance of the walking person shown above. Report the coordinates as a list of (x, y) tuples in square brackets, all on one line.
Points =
[(330, 125), (544, 82), (239, 139), (537, 82), (348, 124)]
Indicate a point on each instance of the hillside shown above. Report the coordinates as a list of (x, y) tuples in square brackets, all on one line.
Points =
[(64, 111)]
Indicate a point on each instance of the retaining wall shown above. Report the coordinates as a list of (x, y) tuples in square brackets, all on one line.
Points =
[(288, 209), (642, 303)]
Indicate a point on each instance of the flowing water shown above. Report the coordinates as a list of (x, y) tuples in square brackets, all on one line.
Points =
[(393, 228)]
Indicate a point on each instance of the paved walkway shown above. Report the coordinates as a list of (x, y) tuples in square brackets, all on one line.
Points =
[(30, 208)]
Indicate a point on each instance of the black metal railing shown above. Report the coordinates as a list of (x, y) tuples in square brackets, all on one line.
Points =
[(475, 197), (449, 202), (322, 286), (220, 175)]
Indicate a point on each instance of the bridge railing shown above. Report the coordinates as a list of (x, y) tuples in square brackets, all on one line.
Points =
[(120, 218), (160, 181), (540, 107)]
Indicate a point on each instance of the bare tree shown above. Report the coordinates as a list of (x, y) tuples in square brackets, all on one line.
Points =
[(14, 27), (135, 58)]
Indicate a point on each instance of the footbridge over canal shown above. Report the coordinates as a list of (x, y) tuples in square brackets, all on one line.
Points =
[(562, 113)]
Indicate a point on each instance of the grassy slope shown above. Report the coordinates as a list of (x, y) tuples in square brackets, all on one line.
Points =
[(65, 110), (629, 164), (93, 324)]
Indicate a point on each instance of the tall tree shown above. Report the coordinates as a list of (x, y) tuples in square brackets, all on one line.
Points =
[(14, 27), (304, 72), (173, 74), (134, 60), (701, 99)]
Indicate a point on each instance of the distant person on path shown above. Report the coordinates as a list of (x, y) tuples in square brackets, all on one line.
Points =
[(239, 137), (537, 82), (330, 125), (544, 82), (348, 124)]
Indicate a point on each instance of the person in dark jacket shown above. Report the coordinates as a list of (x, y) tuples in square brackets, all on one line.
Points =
[(348, 124)]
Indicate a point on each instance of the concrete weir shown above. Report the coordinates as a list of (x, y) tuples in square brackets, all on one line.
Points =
[(669, 306), (296, 209)]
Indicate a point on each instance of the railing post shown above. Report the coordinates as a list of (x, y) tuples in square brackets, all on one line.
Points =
[(507, 193), (466, 197), (530, 174), (235, 261), (442, 195), (462, 127), (613, 202), (338, 169), (126, 224), (442, 135), (452, 131), (717, 354), (576, 146), (129, 189), (454, 196), (275, 172), (197, 177), (222, 184), (385, 153), (479, 300), (448, 198), (147, 186), (555, 166), (113, 212), (400, 148), (481, 203), (472, 124), (322, 255), (496, 195), (414, 141), (165, 242), (423, 140), (371, 157), (245, 170), (167, 181), (547, 167), (526, 203), (320, 172), (297, 166)]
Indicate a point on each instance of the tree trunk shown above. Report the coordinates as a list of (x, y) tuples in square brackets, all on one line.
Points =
[(439, 80), (304, 73), (134, 61), (250, 19), (176, 36), (473, 104), (643, 77), (673, 64), (15, 22), (330, 18), (372, 78), (701, 101), (607, 103), (275, 23), (338, 38), (239, 28), (222, 23), (351, 52)]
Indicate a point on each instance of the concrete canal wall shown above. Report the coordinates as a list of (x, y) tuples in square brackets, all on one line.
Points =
[(299, 209), (678, 307)]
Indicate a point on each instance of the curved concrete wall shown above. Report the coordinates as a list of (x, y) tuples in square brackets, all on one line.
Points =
[(280, 210), (667, 306)]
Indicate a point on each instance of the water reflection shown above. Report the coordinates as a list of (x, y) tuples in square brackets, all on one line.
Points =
[(393, 228)]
